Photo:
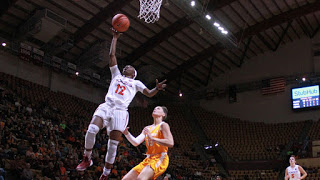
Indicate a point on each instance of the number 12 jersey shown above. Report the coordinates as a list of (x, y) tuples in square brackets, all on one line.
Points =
[(122, 89)]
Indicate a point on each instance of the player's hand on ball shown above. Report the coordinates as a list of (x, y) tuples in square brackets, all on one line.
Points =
[(126, 132), (116, 34), (160, 86)]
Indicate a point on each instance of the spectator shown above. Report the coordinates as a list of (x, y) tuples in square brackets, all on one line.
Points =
[(63, 171), (29, 109), (123, 172), (30, 153), (114, 172), (27, 173), (48, 171), (2, 173)]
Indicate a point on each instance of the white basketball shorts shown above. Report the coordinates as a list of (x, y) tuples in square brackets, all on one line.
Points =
[(113, 119)]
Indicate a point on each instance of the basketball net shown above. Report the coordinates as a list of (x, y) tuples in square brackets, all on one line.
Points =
[(150, 10)]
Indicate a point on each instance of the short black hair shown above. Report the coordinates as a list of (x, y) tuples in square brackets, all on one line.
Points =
[(165, 110)]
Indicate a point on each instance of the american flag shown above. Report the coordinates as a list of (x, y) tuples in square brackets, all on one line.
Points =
[(273, 86)]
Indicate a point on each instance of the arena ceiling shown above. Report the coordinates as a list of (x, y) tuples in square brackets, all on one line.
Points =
[(176, 47)]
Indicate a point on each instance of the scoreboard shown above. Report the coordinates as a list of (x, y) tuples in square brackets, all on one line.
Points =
[(305, 97)]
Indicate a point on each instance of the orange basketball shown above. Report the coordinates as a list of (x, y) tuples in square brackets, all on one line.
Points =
[(120, 22)]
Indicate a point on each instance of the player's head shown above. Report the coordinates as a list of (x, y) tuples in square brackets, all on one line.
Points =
[(129, 71), (218, 178), (160, 111), (292, 160)]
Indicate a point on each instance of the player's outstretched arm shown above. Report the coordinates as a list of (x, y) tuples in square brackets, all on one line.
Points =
[(159, 87), (113, 47), (168, 138), (303, 172), (136, 141)]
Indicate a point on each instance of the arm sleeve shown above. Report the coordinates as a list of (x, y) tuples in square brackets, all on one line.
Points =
[(135, 141), (140, 86), (114, 71)]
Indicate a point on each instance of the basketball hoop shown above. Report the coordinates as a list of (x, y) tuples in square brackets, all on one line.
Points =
[(150, 10)]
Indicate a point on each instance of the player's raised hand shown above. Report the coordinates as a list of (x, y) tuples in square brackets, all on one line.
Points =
[(116, 34), (160, 86)]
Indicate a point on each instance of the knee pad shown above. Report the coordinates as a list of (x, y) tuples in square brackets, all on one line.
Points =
[(93, 129), (90, 138), (112, 151)]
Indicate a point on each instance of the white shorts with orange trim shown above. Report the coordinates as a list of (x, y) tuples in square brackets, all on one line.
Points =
[(113, 119)]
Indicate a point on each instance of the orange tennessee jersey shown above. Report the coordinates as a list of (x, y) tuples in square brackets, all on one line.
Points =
[(152, 147)]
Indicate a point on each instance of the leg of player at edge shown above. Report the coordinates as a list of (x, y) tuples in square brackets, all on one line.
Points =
[(115, 137), (95, 125)]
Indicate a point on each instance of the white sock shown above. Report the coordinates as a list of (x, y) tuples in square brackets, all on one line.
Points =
[(88, 153), (106, 171)]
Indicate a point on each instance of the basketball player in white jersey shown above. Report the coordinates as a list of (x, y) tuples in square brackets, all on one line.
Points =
[(293, 172), (113, 113)]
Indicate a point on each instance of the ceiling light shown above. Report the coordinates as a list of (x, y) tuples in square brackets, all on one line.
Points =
[(4, 44), (221, 28), (77, 73), (193, 3), (208, 16), (216, 24), (224, 32)]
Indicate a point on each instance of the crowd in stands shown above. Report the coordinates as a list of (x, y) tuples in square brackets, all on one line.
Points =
[(313, 173), (42, 136)]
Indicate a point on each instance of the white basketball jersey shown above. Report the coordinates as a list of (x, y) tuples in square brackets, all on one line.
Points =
[(294, 173), (122, 89)]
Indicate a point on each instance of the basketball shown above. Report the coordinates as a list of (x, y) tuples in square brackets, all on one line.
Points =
[(120, 22)]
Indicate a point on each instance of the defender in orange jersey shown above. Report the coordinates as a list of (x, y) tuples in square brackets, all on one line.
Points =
[(158, 138)]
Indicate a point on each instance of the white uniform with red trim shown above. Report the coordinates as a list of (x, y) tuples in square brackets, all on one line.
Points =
[(294, 172), (120, 94)]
